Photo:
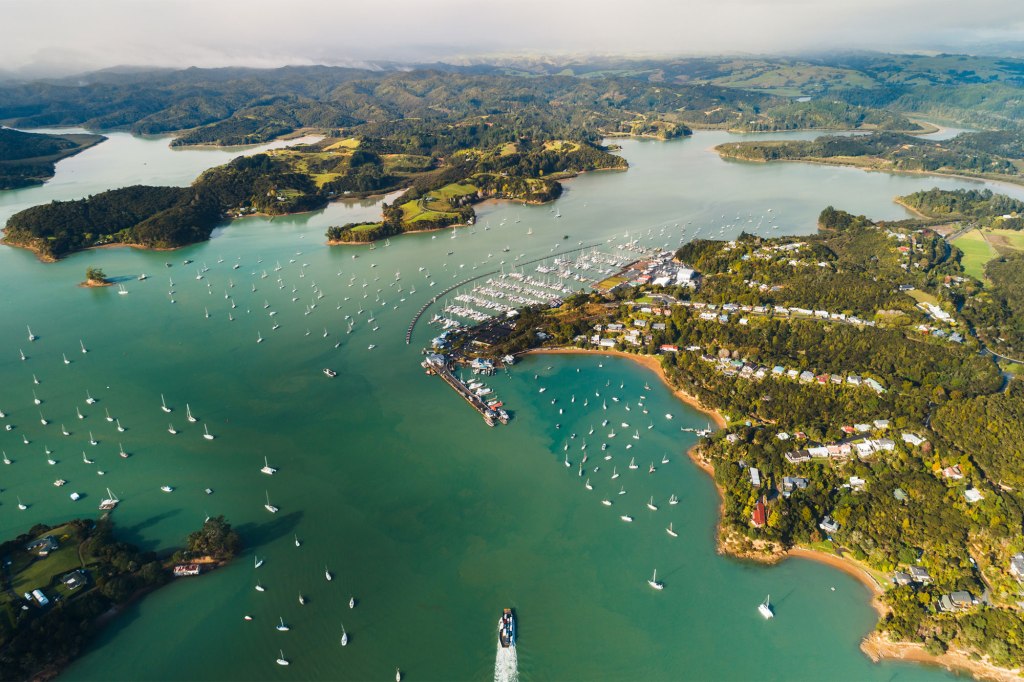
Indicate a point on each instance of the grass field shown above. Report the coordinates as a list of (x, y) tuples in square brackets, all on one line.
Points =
[(435, 205), (922, 296), (1006, 240), (30, 573), (977, 252)]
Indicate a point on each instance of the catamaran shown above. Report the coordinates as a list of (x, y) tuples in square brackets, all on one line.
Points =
[(673, 499), (89, 400), (269, 470), (269, 507), (167, 488), (653, 582), (765, 608)]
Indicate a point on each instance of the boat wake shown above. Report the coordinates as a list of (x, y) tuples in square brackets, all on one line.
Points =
[(506, 665)]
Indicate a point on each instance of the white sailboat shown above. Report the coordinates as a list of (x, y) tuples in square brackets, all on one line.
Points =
[(259, 587), (188, 414), (281, 627), (206, 432), (82, 344), (257, 561), (281, 660), (351, 602), (66, 361), (89, 400), (21, 505), (171, 430), (653, 582), (327, 574), (31, 336), (670, 531), (163, 404), (651, 505), (109, 502), (269, 507), (267, 469), (297, 543), (344, 636), (765, 608)]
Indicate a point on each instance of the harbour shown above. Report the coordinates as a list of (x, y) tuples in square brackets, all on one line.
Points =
[(384, 475)]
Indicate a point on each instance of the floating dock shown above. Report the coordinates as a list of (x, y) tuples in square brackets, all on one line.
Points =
[(491, 417)]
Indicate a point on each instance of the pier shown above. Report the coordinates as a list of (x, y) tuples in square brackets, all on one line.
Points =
[(474, 400)]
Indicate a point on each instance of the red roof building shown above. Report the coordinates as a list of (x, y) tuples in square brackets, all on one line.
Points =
[(760, 516)]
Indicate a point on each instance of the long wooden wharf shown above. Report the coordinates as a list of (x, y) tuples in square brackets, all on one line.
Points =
[(474, 400)]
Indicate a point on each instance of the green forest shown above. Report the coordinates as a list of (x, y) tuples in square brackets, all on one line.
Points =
[(28, 158), (907, 510), (996, 154)]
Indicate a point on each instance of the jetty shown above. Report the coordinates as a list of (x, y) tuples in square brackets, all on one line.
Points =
[(438, 364)]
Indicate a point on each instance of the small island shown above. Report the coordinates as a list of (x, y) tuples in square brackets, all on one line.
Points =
[(95, 277), (28, 159), (63, 583)]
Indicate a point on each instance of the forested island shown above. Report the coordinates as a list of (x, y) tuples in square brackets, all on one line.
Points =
[(997, 155), (63, 583), (28, 158), (861, 421)]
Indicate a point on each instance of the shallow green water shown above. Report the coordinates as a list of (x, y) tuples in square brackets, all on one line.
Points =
[(432, 520)]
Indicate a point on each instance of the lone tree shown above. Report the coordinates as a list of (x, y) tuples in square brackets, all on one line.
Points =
[(95, 275), (216, 539)]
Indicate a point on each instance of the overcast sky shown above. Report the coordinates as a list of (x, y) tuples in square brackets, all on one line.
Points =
[(78, 35)]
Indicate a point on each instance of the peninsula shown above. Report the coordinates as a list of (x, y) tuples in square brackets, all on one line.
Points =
[(859, 421), (63, 583), (28, 159)]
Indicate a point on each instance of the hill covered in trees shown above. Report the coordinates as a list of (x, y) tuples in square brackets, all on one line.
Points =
[(29, 158), (998, 155)]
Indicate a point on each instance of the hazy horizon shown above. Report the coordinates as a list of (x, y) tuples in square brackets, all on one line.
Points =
[(65, 37)]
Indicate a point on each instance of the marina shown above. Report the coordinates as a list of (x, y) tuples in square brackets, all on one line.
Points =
[(382, 475)]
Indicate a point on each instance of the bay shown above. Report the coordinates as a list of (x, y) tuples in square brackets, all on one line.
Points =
[(430, 519)]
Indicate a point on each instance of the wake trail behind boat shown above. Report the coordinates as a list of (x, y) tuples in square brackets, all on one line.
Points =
[(506, 665)]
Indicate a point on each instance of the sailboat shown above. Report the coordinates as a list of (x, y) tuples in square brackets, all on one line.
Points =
[(120, 451), (615, 473), (82, 344), (673, 499), (7, 460), (171, 430), (109, 418), (108, 503), (66, 361), (587, 485), (281, 660), (31, 336), (344, 636), (120, 428), (64, 431), (653, 582), (651, 505), (352, 602), (188, 414), (297, 543), (163, 404), (257, 561), (21, 505), (269, 507), (281, 627), (92, 441), (632, 463), (206, 433), (89, 400), (765, 608), (327, 574), (267, 469), (79, 413), (35, 399), (86, 459), (670, 531), (259, 587)]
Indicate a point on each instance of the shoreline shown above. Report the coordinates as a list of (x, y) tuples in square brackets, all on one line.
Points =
[(874, 645)]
